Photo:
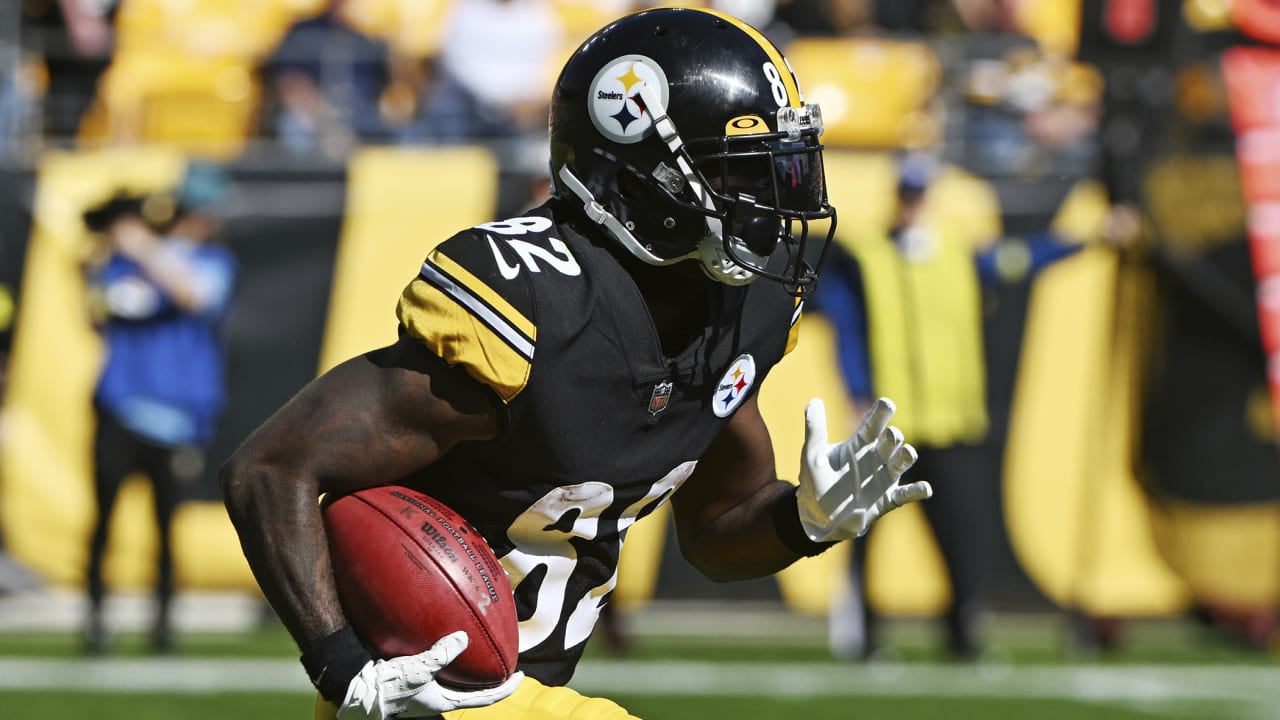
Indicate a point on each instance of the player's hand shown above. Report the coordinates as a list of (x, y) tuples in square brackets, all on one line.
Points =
[(846, 487), (406, 686)]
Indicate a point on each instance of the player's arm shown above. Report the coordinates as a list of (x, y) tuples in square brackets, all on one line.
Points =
[(724, 511), (371, 420), (736, 520)]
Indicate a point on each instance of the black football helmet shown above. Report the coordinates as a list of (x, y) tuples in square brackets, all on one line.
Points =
[(684, 134)]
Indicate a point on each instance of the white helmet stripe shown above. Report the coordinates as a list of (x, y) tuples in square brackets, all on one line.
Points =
[(661, 122)]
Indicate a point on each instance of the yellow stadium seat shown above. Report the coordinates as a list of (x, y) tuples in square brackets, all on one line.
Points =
[(874, 92), (1055, 24), (207, 29), (413, 28), (184, 74), (199, 107), (581, 18)]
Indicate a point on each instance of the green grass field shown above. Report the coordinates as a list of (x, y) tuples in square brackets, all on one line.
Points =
[(695, 663)]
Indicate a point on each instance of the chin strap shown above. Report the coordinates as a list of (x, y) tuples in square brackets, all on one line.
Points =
[(597, 214), (710, 252)]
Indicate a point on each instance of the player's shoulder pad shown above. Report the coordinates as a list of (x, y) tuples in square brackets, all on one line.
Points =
[(474, 302)]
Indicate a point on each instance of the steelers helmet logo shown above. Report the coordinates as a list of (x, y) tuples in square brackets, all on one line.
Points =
[(614, 102), (733, 387)]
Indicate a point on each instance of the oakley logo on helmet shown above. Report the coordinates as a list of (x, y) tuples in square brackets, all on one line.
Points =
[(745, 125), (613, 100)]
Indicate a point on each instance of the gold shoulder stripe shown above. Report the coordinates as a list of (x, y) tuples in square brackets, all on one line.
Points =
[(784, 68), (465, 322), (486, 295), (453, 333)]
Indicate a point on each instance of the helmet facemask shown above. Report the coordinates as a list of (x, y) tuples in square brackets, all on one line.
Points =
[(763, 192)]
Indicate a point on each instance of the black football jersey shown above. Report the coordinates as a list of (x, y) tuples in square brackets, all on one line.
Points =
[(601, 426)]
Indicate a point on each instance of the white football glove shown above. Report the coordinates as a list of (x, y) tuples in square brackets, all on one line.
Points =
[(846, 487), (406, 686)]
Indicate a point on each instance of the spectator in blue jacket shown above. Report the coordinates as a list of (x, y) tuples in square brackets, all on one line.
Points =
[(157, 295)]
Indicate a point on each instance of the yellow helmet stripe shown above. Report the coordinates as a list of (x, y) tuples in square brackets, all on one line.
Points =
[(784, 69)]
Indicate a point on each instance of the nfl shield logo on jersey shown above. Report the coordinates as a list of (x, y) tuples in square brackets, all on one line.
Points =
[(661, 395), (733, 387)]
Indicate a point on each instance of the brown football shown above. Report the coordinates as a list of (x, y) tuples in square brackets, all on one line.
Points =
[(410, 570)]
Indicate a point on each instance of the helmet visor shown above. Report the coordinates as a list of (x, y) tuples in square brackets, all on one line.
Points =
[(784, 176), (797, 169)]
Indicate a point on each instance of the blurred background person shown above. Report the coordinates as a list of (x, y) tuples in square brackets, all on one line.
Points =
[(157, 294), (492, 72), (325, 82), (907, 308), (488, 85), (74, 40)]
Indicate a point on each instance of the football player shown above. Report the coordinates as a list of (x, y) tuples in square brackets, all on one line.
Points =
[(560, 375)]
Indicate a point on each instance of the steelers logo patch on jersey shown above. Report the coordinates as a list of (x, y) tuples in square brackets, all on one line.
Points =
[(614, 102), (733, 387)]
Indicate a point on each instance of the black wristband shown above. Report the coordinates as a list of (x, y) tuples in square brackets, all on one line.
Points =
[(786, 522), (333, 661)]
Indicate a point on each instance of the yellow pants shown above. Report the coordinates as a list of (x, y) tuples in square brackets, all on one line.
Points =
[(531, 701)]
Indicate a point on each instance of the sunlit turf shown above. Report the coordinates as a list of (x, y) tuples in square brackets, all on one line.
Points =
[(667, 708), (1039, 639), (155, 706), (286, 706), (1016, 641), (270, 642)]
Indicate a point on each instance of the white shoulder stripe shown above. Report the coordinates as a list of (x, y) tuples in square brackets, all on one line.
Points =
[(479, 309)]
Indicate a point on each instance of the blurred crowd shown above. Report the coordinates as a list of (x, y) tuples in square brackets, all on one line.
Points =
[(317, 78), (988, 113)]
